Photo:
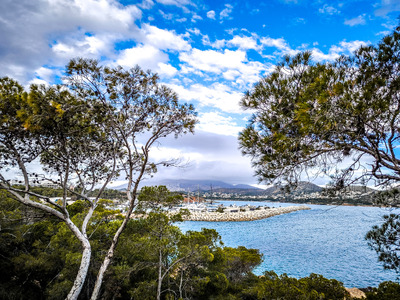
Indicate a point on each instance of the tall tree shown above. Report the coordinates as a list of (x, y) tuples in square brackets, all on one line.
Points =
[(340, 119), (143, 111), (67, 136), (102, 125)]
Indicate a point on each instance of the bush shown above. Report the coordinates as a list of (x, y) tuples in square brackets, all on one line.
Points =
[(271, 286), (386, 290)]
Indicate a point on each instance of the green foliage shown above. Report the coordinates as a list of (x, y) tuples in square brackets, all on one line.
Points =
[(158, 197), (271, 286), (220, 209), (238, 262), (312, 116), (384, 239), (27, 264), (386, 290)]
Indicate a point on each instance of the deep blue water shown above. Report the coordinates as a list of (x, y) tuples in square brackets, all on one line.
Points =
[(326, 240)]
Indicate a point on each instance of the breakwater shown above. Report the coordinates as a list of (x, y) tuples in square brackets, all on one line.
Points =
[(237, 216)]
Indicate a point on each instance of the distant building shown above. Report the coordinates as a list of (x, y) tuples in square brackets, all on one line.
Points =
[(193, 199), (34, 182)]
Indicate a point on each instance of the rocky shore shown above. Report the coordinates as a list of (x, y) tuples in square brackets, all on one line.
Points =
[(258, 214)]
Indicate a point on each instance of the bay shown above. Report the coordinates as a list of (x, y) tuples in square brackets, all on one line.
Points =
[(327, 240)]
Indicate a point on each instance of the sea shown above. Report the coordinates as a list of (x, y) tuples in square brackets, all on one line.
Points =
[(326, 240)]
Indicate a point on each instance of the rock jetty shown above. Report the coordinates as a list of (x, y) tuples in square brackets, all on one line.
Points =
[(258, 214)]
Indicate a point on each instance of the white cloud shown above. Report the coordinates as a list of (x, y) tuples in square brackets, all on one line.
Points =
[(216, 123), (225, 13), (387, 7), (231, 75), (216, 95), (146, 4), (244, 42), (335, 51), (232, 65), (211, 14), (360, 20), (319, 56), (211, 156), (93, 15), (195, 31), (279, 43), (329, 10), (195, 18), (83, 46), (45, 74), (300, 21), (218, 44), (29, 29), (214, 61), (163, 39), (165, 15), (166, 69), (39, 81), (352, 46), (147, 57), (179, 3)]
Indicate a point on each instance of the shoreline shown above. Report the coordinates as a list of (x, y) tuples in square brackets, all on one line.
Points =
[(242, 215), (303, 203)]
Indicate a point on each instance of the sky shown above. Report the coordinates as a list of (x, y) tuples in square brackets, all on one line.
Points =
[(209, 52)]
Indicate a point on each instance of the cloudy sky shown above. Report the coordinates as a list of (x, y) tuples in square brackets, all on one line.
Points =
[(210, 52)]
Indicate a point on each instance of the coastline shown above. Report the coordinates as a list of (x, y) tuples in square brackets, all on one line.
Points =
[(301, 203), (242, 215)]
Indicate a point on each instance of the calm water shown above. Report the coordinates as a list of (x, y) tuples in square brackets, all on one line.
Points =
[(325, 240)]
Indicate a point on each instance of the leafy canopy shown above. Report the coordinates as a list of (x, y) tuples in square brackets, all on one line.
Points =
[(340, 119)]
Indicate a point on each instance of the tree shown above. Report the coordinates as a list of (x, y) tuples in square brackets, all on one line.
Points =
[(272, 286), (340, 119), (102, 124), (386, 290), (143, 112), (385, 240), (68, 137), (155, 197)]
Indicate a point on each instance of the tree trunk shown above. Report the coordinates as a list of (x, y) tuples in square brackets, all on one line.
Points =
[(107, 260), (160, 277), (85, 262), (180, 286)]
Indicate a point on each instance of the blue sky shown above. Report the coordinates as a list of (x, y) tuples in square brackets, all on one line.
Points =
[(209, 52)]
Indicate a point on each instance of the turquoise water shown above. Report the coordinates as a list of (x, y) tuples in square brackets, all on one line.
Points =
[(326, 240)]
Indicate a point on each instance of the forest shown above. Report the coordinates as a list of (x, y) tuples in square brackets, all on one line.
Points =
[(39, 258)]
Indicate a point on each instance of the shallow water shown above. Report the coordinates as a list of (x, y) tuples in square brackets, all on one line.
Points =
[(326, 240)]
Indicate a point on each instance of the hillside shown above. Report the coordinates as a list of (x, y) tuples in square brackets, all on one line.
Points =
[(302, 188), (305, 192), (205, 185)]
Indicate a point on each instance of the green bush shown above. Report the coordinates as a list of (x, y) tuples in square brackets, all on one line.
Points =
[(386, 290), (271, 286), (220, 209)]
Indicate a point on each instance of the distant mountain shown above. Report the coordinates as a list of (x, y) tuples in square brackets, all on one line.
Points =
[(246, 186), (186, 185), (302, 188), (202, 185)]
